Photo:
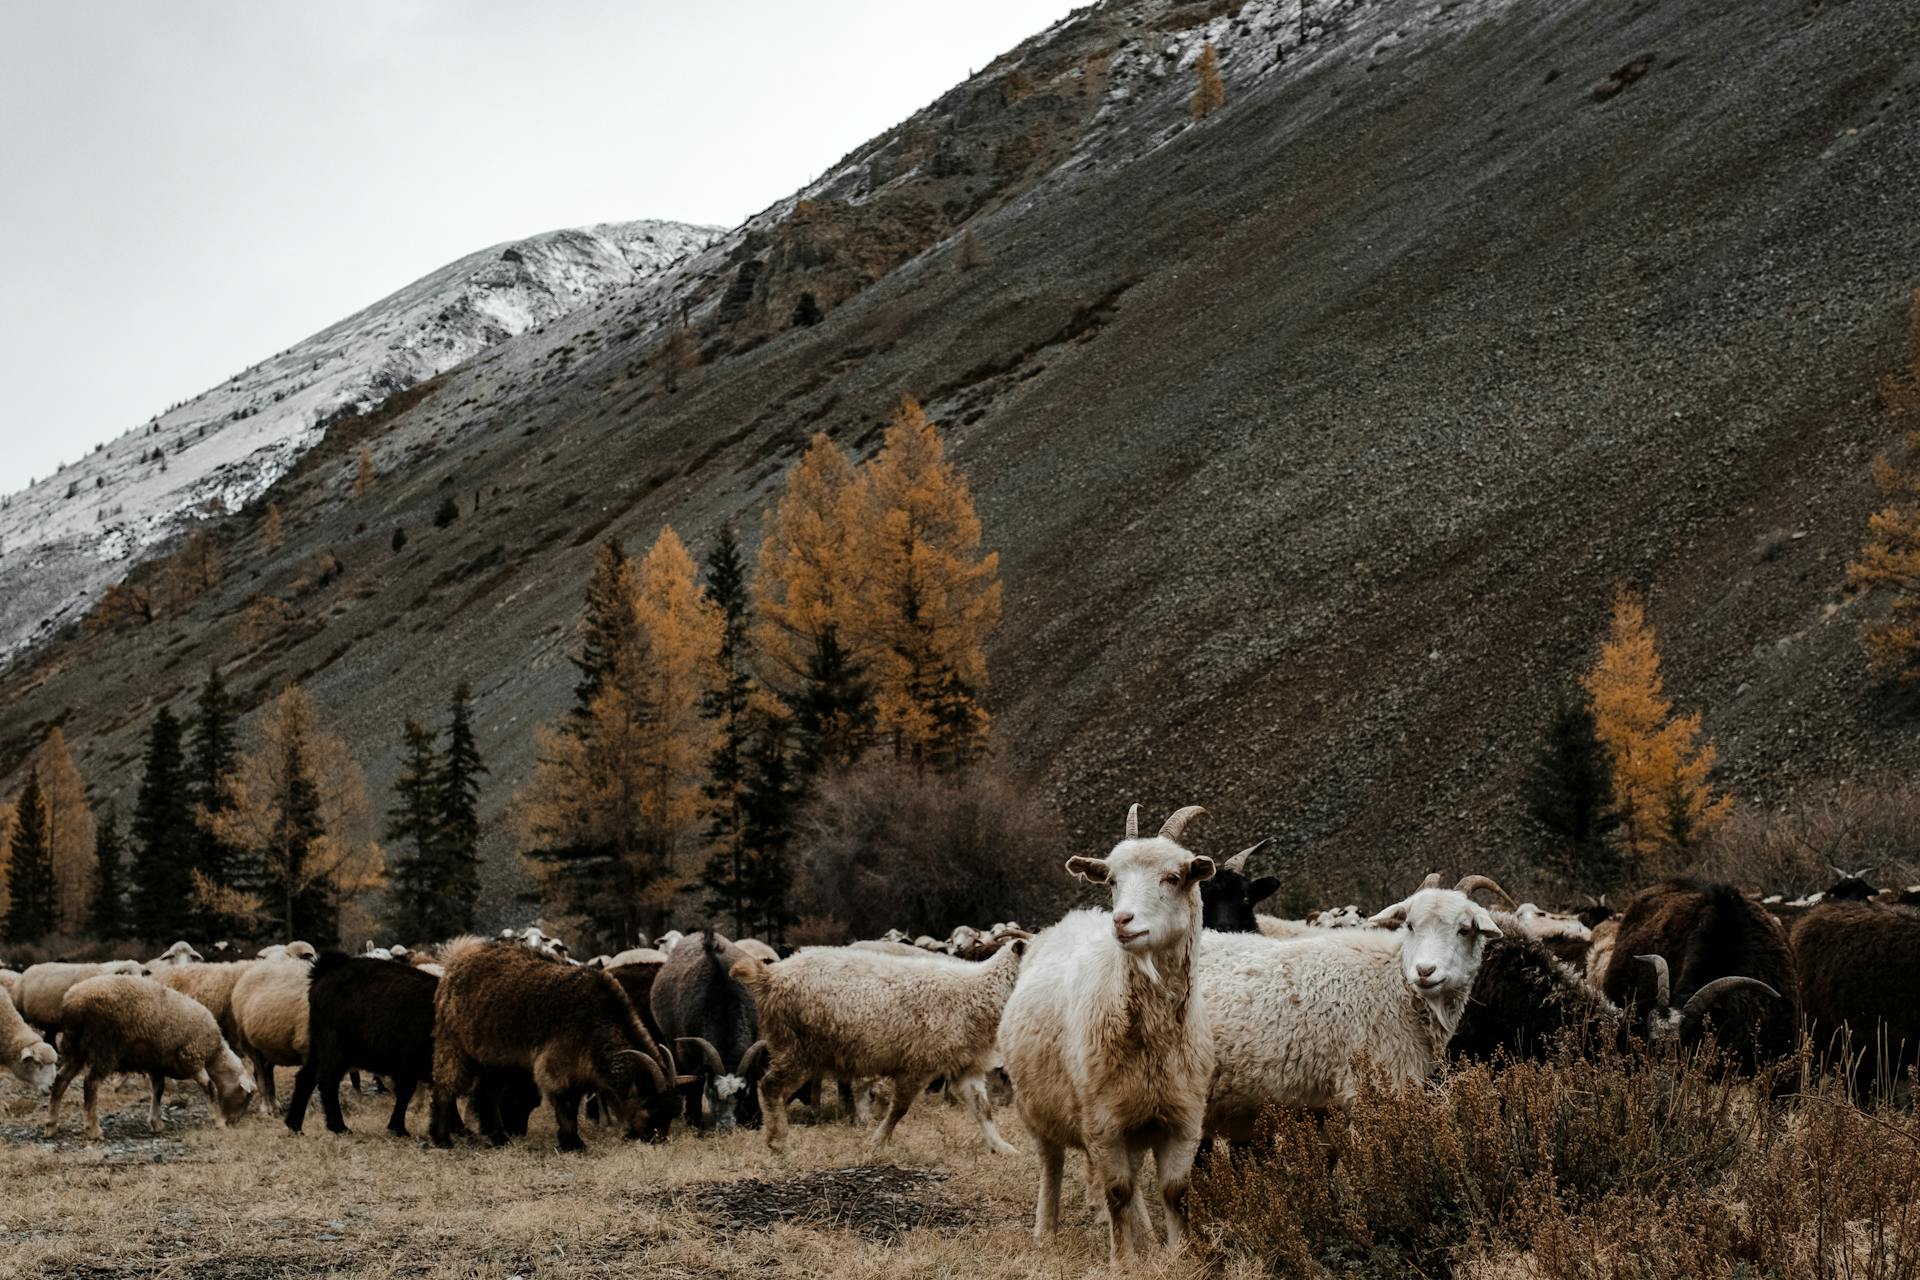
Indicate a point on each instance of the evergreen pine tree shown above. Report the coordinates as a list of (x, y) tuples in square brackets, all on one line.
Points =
[(413, 826), (772, 794), (607, 629), (726, 874), (109, 918), (212, 754), (31, 905), (163, 835), (457, 819), (311, 911), (833, 712), (1569, 796)]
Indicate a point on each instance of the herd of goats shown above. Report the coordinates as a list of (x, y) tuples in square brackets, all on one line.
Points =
[(1178, 1014)]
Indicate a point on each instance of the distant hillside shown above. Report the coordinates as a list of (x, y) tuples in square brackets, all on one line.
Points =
[(1313, 435), (66, 537)]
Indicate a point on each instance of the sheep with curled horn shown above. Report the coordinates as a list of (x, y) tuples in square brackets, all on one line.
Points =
[(710, 1019)]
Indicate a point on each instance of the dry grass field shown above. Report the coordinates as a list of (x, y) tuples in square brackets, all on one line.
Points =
[(1615, 1169)]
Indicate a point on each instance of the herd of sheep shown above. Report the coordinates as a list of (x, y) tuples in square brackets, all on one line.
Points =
[(1176, 1015)]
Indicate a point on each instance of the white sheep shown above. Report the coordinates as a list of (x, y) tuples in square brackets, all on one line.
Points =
[(44, 986), (1289, 1017), (1538, 922), (856, 1013), (667, 941), (1347, 917), (759, 950), (177, 954), (123, 1023), (288, 951), (1106, 1036), (269, 1012), (211, 984), (10, 981), (23, 1051), (636, 955)]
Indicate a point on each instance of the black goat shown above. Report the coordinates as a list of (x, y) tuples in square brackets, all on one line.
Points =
[(710, 1019), (366, 1015), (1227, 899)]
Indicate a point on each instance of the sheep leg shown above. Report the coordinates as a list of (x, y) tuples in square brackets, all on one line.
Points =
[(973, 1091), (905, 1090), (303, 1082), (329, 1101), (566, 1118), (69, 1068), (214, 1110), (403, 1087), (1110, 1168), (90, 1093), (156, 1123), (1046, 1214), (776, 1086), (1173, 1156), (453, 1075), (1143, 1234), (263, 1072)]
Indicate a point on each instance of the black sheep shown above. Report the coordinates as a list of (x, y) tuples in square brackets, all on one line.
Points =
[(709, 1018), (1228, 899), (1860, 987), (367, 1015)]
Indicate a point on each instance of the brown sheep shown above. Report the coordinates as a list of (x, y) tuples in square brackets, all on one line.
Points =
[(1702, 932), (506, 1007), (211, 984), (122, 1023), (1860, 987)]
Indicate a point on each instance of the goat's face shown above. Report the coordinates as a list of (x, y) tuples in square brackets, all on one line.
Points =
[(1445, 934), (1154, 886), (1228, 899), (37, 1066)]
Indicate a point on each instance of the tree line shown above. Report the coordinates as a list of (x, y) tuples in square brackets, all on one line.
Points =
[(712, 701)]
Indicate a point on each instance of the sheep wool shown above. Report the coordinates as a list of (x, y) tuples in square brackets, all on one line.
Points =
[(22, 1051)]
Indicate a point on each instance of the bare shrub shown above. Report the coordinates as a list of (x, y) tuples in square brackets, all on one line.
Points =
[(1794, 851), (1615, 1165), (884, 847)]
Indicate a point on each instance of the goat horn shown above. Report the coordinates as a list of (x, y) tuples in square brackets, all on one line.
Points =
[(704, 1049), (1836, 870), (757, 1052), (1661, 989), (1133, 822), (1471, 884), (1702, 999), (653, 1070), (1238, 862), (1173, 826), (1431, 882)]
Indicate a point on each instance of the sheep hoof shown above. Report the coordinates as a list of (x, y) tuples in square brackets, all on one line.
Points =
[(50, 1131), (1003, 1148)]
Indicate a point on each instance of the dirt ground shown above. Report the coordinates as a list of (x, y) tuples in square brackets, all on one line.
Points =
[(257, 1203)]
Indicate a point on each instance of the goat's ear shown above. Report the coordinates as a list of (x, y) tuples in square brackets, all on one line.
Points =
[(1483, 923), (1092, 870), (1262, 889), (1391, 918), (1199, 869)]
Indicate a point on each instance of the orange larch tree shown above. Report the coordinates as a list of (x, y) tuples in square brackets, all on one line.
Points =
[(806, 582), (70, 832), (1889, 563), (1660, 764), (1209, 95)]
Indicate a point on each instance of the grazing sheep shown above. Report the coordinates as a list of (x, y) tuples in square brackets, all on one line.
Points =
[(288, 951), (1106, 1035), (1227, 901), (269, 1013), (1347, 917), (636, 955), (31, 1059), (754, 949), (44, 986), (709, 1018), (1525, 998), (1859, 967), (9, 981), (210, 984), (667, 941), (1289, 1018), (364, 1014), (572, 1028), (1704, 931), (855, 1013), (124, 1023), (1280, 930), (177, 954)]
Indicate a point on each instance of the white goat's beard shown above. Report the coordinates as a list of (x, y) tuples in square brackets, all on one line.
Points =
[(1143, 961), (727, 1086)]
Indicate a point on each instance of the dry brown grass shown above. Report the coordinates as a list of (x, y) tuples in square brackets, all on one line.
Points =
[(256, 1202)]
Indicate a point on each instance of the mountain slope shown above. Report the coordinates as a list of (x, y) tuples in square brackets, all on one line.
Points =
[(65, 537), (1313, 436)]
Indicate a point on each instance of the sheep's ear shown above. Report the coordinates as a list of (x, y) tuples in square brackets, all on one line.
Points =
[(1092, 870), (1018, 946), (1483, 923), (1199, 869), (1391, 918), (1262, 889)]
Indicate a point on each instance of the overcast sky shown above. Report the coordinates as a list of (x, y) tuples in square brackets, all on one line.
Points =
[(188, 186)]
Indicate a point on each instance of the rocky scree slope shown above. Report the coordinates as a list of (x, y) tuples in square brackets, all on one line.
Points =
[(1314, 436)]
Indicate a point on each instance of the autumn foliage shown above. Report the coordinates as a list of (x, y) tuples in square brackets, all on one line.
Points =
[(1660, 765), (1889, 563), (1209, 95)]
